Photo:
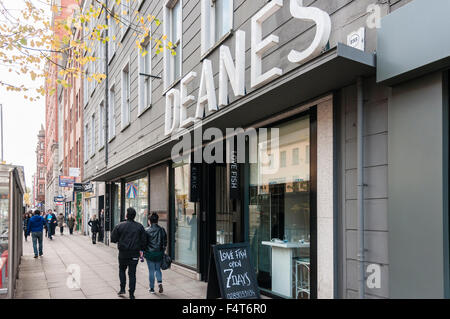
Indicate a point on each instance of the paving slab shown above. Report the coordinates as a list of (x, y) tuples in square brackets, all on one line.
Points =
[(46, 277)]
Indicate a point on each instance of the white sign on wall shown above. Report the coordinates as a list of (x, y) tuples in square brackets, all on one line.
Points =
[(356, 39), (234, 72), (74, 171)]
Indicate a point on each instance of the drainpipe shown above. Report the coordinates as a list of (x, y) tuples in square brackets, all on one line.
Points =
[(106, 135), (107, 197), (360, 171)]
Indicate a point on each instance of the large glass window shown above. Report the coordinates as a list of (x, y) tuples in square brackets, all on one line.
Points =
[(136, 196), (279, 212), (4, 235), (116, 204), (186, 212)]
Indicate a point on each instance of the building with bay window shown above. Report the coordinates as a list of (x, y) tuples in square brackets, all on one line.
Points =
[(348, 189)]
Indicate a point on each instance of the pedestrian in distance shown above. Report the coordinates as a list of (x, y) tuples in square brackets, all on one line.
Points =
[(51, 223), (60, 220), (35, 227), (46, 226), (131, 240), (156, 246), (26, 217), (94, 223), (71, 223)]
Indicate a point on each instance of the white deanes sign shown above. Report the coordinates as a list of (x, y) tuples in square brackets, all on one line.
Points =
[(177, 100)]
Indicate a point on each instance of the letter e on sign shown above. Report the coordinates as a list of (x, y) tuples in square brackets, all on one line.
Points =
[(323, 30)]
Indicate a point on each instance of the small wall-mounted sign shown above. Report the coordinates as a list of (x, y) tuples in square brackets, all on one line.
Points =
[(356, 39), (74, 171)]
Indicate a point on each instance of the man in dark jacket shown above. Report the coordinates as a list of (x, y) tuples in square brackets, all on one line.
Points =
[(156, 246), (35, 227), (131, 241)]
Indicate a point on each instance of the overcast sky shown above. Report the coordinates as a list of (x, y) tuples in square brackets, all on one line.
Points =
[(22, 119)]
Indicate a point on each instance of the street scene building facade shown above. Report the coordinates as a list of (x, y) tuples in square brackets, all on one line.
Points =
[(39, 177), (345, 116)]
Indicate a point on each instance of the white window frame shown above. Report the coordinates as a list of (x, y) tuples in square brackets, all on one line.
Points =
[(101, 56), (112, 31), (86, 87), (92, 135), (208, 25), (125, 20), (145, 82), (169, 59), (111, 113), (101, 125), (86, 141), (125, 98)]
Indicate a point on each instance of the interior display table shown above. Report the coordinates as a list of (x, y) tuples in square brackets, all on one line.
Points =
[(282, 265)]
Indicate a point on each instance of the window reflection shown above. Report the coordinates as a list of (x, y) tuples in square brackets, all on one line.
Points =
[(280, 212), (136, 196), (186, 212)]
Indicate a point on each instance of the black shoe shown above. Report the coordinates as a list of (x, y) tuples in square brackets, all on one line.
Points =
[(161, 289), (40, 255), (35, 256), (132, 296), (151, 290), (121, 292)]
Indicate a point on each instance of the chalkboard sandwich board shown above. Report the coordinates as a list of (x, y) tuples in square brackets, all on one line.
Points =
[(231, 274)]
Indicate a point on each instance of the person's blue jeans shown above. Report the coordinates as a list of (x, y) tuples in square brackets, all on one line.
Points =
[(154, 267), (37, 238)]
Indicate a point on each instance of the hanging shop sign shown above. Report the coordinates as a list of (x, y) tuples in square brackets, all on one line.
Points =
[(66, 181), (194, 194), (231, 273), (74, 171), (177, 100), (59, 199), (234, 177), (82, 187)]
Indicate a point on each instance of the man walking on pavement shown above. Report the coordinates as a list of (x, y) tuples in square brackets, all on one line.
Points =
[(35, 226), (132, 241)]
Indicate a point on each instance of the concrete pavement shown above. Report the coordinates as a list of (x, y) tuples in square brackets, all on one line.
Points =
[(46, 277)]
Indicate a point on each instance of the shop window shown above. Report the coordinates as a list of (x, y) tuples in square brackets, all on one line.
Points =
[(185, 217), (173, 29), (279, 211), (136, 196), (217, 21), (4, 238), (116, 204)]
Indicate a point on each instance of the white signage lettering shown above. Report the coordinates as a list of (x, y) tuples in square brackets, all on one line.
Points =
[(206, 92), (323, 30), (260, 46), (234, 72), (186, 100), (172, 102)]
